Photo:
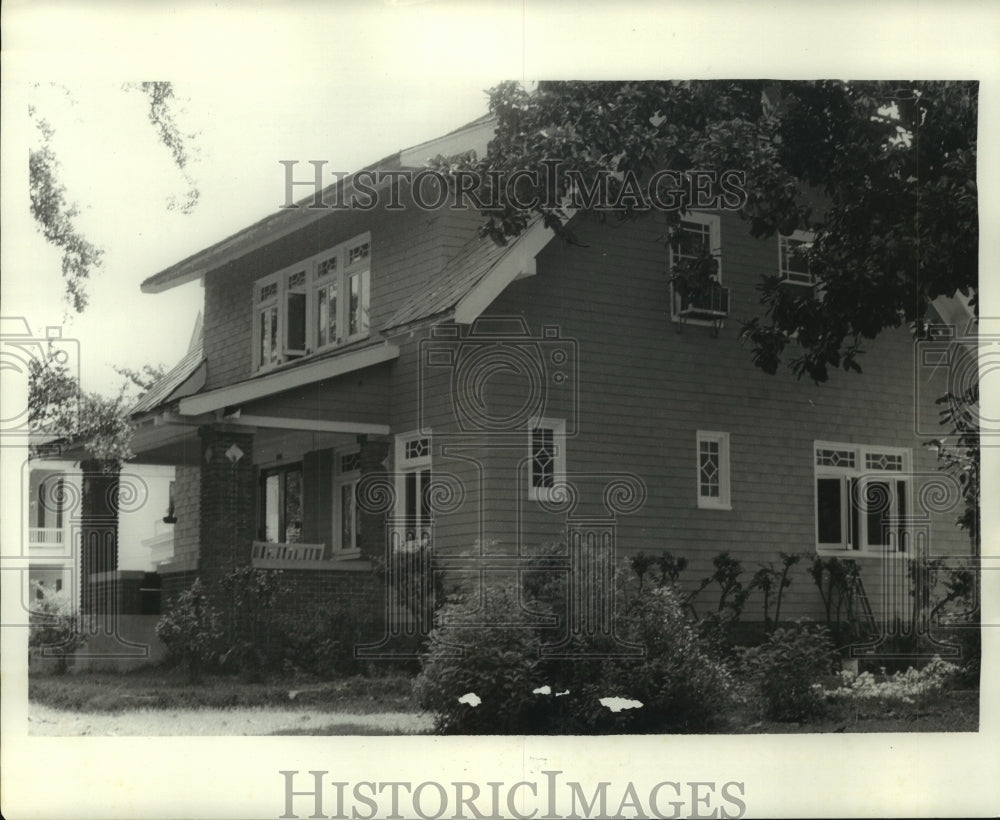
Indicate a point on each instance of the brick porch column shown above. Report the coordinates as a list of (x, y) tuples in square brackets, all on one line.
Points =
[(228, 495), (373, 460), (99, 534)]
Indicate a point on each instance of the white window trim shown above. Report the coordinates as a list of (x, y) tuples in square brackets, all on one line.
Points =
[(558, 427), (864, 476), (342, 276), (800, 236), (403, 465), (340, 479), (724, 500), (715, 246)]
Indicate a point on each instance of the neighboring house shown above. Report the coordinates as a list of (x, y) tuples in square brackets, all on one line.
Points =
[(52, 525), (371, 381)]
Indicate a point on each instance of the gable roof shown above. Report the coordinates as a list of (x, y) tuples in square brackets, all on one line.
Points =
[(471, 136), (183, 379)]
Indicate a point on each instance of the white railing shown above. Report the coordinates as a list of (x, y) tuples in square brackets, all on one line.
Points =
[(45, 537), (288, 552)]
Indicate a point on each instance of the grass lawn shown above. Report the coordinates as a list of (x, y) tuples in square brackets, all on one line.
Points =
[(146, 698), (158, 688)]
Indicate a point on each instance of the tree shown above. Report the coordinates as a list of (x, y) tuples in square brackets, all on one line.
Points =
[(55, 214), (883, 173)]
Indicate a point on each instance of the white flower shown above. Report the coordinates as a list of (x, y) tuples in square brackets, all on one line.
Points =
[(470, 698)]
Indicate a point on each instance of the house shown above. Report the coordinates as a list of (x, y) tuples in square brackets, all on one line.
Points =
[(370, 381)]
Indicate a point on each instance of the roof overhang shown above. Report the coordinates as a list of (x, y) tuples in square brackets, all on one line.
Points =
[(298, 376)]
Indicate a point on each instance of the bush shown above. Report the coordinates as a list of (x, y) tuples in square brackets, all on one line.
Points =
[(517, 689), (324, 646), (191, 630), (254, 637), (53, 626), (784, 672)]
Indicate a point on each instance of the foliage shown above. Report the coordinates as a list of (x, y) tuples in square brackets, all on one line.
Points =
[(838, 580), (784, 671), (519, 688), (143, 379), (55, 215), (893, 162), (771, 581), (324, 645), (248, 599), (958, 454), (668, 568), (914, 686), (191, 629), (53, 624)]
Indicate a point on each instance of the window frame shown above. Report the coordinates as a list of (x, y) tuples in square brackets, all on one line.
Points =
[(282, 470), (342, 479), (558, 428), (723, 501), (418, 465), (342, 276), (805, 237), (714, 223), (854, 481)]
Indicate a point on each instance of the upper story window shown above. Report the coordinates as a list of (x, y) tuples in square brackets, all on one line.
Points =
[(696, 290), (793, 266), (313, 305)]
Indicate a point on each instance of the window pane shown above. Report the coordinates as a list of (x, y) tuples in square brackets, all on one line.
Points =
[(354, 293), (542, 457), (293, 506), (877, 497), (272, 508), (269, 336), (326, 319), (901, 534), (347, 517), (708, 469), (829, 512), (296, 326)]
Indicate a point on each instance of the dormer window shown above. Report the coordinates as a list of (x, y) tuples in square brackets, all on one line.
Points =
[(314, 305)]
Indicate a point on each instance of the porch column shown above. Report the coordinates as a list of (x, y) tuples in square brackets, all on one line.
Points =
[(373, 460), (228, 495), (98, 535)]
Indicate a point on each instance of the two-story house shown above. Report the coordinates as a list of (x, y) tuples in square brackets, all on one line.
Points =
[(372, 380)]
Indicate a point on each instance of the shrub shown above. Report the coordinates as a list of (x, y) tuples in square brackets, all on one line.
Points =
[(191, 629), (681, 685), (784, 672), (254, 637), (53, 626), (324, 646), (518, 689)]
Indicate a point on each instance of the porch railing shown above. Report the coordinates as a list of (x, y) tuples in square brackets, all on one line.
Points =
[(266, 550), (45, 538)]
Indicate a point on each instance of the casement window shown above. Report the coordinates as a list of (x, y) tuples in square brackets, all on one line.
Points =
[(413, 467), (713, 470), (281, 504), (546, 457), (314, 305), (793, 267), (699, 236), (862, 497), (346, 519)]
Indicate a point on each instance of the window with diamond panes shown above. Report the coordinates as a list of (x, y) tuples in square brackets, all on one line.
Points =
[(413, 506), (713, 469), (546, 457)]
